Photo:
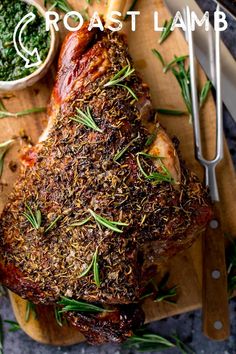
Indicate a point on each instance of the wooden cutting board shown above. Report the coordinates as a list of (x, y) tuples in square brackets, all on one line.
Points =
[(186, 268)]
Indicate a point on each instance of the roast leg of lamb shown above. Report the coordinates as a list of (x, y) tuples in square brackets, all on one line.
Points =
[(104, 179)]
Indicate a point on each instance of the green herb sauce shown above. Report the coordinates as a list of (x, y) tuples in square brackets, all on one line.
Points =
[(12, 66)]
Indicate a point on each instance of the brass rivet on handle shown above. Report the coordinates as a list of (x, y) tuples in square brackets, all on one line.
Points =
[(218, 325), (214, 224), (216, 274)]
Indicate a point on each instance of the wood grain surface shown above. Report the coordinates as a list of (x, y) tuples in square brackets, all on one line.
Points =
[(186, 268)]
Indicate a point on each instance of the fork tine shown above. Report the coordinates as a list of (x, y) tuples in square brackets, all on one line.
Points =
[(194, 93), (209, 165), (219, 105)]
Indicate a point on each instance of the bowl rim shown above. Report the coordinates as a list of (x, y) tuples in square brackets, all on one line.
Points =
[(42, 10)]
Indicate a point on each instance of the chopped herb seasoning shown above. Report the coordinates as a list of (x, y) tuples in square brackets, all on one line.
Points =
[(12, 66)]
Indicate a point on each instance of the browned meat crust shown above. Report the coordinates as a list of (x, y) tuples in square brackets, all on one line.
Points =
[(73, 170)]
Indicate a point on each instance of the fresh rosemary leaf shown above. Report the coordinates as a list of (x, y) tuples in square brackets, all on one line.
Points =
[(52, 223), (30, 308), (167, 30), (4, 114), (86, 271), (155, 176), (85, 118), (170, 112), (183, 78), (4, 147), (119, 77), (183, 348), (58, 316), (34, 218), (173, 62), (93, 264), (14, 326), (96, 269), (166, 295), (79, 306), (159, 56), (112, 225), (204, 93), (150, 139), (131, 92), (81, 223), (147, 342), (59, 4), (131, 8), (120, 153)]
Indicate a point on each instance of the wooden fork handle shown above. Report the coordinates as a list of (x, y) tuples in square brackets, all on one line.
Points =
[(215, 295)]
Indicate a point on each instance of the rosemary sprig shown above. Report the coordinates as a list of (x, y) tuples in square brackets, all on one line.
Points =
[(160, 292), (155, 176), (163, 292), (34, 218), (112, 225), (4, 147), (159, 57), (143, 341), (79, 306), (173, 62), (58, 317), (150, 139), (120, 153), (96, 269), (204, 93), (183, 348), (30, 308), (59, 4), (183, 78), (147, 342), (4, 114), (132, 6), (119, 77), (94, 264), (170, 112), (85, 118), (167, 30), (81, 223), (53, 223), (14, 326)]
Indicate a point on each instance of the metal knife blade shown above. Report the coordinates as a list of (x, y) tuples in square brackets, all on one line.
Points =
[(204, 47)]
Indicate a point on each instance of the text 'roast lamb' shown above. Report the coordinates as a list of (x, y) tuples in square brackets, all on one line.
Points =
[(124, 169)]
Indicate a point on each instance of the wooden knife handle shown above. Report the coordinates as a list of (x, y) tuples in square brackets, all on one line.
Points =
[(215, 295)]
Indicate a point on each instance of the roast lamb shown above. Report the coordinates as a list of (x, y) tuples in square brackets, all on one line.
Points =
[(116, 189)]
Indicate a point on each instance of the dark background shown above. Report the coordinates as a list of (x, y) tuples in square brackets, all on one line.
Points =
[(187, 326)]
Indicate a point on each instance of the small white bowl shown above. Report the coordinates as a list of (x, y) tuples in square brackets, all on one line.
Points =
[(42, 70)]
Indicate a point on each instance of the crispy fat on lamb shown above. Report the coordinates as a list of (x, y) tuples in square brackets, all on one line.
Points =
[(102, 197)]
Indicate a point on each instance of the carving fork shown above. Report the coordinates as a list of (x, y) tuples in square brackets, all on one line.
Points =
[(215, 296)]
